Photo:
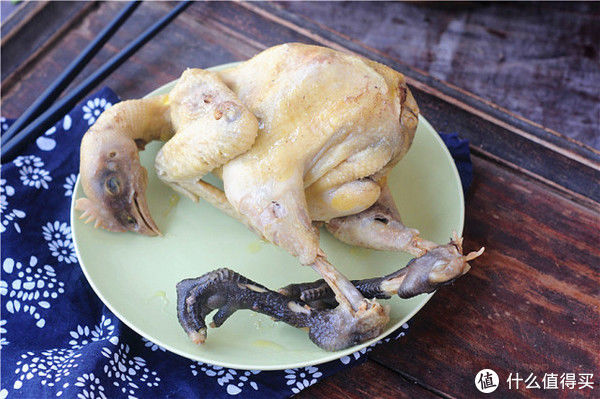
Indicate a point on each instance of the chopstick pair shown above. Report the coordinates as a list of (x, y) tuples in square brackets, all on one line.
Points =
[(12, 143)]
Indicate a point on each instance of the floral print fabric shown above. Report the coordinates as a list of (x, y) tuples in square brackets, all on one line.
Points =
[(57, 339)]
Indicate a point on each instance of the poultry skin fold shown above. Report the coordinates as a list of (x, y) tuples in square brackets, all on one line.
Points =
[(301, 136)]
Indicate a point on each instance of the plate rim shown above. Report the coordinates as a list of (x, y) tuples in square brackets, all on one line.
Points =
[(328, 356)]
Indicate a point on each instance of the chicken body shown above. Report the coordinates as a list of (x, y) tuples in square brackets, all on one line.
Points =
[(321, 136), (300, 135)]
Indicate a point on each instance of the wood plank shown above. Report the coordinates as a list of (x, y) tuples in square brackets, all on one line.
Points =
[(15, 15), (528, 228), (231, 32), (368, 380), (486, 137), (524, 57), (519, 135), (41, 24), (164, 58), (530, 304)]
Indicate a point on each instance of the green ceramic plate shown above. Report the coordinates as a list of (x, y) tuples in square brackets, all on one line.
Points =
[(135, 276)]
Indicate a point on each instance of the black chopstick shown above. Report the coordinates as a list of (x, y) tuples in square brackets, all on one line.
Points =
[(54, 113), (61, 83)]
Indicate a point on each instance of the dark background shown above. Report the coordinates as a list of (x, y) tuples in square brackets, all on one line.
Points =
[(531, 303), (538, 60)]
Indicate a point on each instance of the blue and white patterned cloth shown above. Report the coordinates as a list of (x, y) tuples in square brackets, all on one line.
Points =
[(57, 337)]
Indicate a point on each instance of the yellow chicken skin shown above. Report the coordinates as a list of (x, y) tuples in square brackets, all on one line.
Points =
[(300, 135), (212, 127), (326, 119)]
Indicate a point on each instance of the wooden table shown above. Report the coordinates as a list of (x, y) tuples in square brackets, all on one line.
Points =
[(531, 303)]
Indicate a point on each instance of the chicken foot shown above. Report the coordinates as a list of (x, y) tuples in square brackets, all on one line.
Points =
[(228, 291), (380, 227), (315, 305), (421, 275)]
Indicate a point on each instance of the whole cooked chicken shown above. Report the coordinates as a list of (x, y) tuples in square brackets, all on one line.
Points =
[(301, 136)]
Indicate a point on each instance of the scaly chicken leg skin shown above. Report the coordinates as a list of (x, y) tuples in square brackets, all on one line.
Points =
[(380, 227), (421, 275), (228, 291), (315, 305)]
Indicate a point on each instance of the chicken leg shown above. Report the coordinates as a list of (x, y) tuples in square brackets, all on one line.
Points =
[(315, 306), (227, 291), (380, 227)]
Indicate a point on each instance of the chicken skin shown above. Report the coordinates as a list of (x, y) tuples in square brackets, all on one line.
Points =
[(301, 136)]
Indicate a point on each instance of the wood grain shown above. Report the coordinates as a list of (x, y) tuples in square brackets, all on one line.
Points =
[(14, 15), (159, 59), (522, 139), (538, 60), (530, 303), (51, 17), (368, 380)]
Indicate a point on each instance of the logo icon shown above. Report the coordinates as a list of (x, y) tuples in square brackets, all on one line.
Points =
[(487, 381)]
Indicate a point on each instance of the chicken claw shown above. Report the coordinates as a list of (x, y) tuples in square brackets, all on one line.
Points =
[(438, 267), (331, 326), (228, 291)]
